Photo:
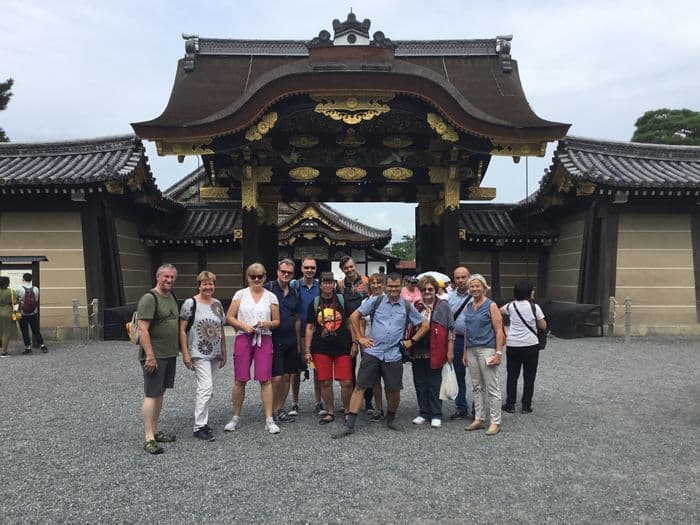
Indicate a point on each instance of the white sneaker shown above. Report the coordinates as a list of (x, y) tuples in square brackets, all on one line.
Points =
[(271, 427), (420, 420), (234, 424), (436, 423)]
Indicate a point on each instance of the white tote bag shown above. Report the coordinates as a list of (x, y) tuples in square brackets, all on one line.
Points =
[(448, 387)]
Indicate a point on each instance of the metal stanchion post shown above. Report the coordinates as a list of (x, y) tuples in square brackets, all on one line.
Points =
[(628, 319)]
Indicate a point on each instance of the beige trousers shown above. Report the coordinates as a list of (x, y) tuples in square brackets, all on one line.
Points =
[(485, 384)]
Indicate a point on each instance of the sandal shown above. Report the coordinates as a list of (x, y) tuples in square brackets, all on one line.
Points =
[(162, 437), (328, 418), (152, 447)]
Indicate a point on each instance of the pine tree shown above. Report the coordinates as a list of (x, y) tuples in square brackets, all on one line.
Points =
[(5, 95), (668, 126)]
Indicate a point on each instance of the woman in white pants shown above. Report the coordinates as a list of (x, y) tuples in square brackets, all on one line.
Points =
[(483, 347), (203, 346)]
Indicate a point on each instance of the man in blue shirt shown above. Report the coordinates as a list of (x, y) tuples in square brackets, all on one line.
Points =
[(382, 355), (458, 297), (308, 289), (285, 339)]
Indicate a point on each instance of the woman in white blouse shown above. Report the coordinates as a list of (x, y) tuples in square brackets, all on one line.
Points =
[(254, 313), (522, 345)]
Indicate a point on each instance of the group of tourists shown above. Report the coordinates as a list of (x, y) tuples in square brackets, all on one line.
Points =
[(357, 331), (19, 307)]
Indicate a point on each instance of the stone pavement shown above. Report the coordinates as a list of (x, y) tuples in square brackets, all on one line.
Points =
[(613, 439)]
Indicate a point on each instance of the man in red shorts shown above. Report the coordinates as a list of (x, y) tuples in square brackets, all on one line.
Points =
[(328, 345)]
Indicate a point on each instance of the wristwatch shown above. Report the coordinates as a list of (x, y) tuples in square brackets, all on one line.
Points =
[(499, 353)]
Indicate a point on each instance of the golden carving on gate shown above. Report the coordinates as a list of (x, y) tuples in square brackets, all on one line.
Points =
[(214, 192), (114, 187), (585, 189), (303, 141), (259, 130), (182, 148), (478, 193), (350, 139), (237, 233), (462, 234), (537, 149), (304, 173), (397, 141), (397, 173), (352, 108), (438, 124), (351, 173)]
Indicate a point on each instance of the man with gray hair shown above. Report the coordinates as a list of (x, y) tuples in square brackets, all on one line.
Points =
[(158, 316)]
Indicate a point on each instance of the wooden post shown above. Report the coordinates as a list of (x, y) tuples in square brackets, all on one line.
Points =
[(76, 320)]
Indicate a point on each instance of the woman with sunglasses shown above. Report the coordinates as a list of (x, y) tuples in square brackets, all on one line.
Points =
[(254, 313), (429, 354)]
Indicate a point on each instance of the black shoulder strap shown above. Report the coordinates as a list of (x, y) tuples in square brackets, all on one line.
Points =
[(155, 298), (461, 307), (408, 317), (193, 311), (523, 320), (376, 304)]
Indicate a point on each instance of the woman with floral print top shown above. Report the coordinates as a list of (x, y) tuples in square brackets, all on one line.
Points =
[(203, 346)]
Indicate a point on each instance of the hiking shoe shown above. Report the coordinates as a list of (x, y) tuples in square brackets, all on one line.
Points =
[(44, 350), (378, 416), (283, 417), (420, 420), (272, 427), (320, 409), (203, 435), (294, 411), (435, 423), (152, 447), (163, 437), (394, 425), (341, 432), (234, 424), (460, 414), (27, 351)]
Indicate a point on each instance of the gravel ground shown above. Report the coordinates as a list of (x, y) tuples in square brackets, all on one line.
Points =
[(613, 439)]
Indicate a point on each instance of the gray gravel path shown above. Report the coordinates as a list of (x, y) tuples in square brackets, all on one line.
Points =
[(613, 439)]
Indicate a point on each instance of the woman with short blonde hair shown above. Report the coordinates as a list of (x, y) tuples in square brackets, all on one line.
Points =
[(203, 345), (254, 313)]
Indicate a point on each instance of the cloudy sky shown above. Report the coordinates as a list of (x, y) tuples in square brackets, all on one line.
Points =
[(88, 69)]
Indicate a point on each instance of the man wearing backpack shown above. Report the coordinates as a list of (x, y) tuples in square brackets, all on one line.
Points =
[(28, 299), (158, 324), (382, 356)]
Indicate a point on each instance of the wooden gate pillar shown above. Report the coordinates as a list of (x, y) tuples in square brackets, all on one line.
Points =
[(256, 242), (446, 218)]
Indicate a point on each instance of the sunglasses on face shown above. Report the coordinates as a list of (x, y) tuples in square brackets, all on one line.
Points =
[(286, 272), (309, 267), (428, 290), (257, 277)]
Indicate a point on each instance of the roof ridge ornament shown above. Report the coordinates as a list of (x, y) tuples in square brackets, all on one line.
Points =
[(350, 33), (191, 50), (503, 50)]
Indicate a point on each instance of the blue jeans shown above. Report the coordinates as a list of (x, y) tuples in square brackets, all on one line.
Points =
[(461, 371)]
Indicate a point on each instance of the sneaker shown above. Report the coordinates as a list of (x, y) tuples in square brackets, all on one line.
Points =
[(283, 417), (420, 420), (294, 411), (203, 435), (272, 427), (44, 350), (208, 430), (27, 351), (460, 414), (526, 410), (378, 416), (4, 354), (341, 432), (234, 424), (508, 408), (435, 423), (320, 409)]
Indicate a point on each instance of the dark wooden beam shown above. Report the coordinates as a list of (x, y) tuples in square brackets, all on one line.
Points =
[(695, 234)]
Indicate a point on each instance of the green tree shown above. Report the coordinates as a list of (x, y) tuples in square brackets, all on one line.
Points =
[(5, 95), (405, 249), (668, 126)]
